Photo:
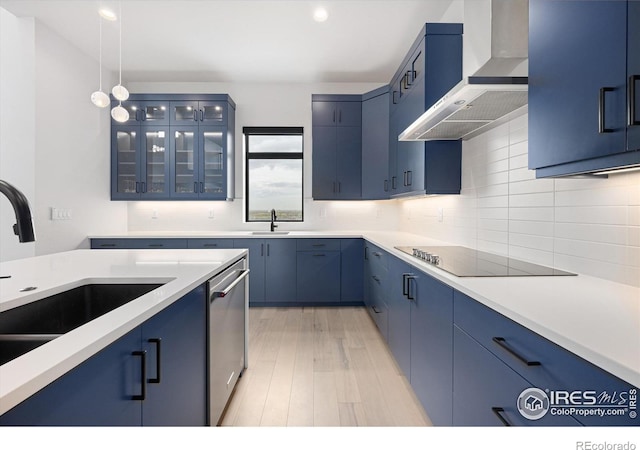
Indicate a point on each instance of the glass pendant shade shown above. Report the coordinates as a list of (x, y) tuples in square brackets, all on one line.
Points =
[(120, 114), (120, 92), (100, 99)]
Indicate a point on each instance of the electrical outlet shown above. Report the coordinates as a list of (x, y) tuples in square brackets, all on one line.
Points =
[(61, 214), (211, 214), (440, 214), (154, 214)]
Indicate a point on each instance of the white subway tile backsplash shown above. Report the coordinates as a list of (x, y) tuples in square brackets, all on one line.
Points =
[(583, 225)]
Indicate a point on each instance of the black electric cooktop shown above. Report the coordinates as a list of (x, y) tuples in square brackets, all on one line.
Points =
[(467, 262)]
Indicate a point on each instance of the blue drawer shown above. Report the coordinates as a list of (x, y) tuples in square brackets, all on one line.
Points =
[(137, 243), (318, 244)]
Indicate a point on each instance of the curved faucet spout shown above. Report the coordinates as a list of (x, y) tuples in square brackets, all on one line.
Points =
[(24, 221)]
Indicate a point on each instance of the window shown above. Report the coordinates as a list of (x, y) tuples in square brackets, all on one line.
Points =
[(273, 173)]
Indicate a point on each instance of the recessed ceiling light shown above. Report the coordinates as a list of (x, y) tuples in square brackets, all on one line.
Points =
[(320, 14), (107, 14)]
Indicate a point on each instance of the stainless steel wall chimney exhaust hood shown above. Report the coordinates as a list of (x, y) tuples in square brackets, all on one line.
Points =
[(495, 93)]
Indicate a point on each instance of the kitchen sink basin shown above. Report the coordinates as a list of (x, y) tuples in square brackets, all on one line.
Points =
[(26, 327), (268, 233)]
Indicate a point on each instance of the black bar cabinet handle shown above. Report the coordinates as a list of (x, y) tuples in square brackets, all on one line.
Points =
[(195, 115), (318, 245), (375, 310), (633, 120), (268, 248), (409, 177), (143, 374), (334, 116), (366, 253), (395, 101), (261, 249), (195, 187), (107, 245), (339, 186), (409, 278), (319, 254), (202, 115), (340, 116), (393, 182), (143, 115), (498, 412), (405, 287), (409, 77), (156, 341), (201, 187), (144, 187), (210, 245), (137, 187), (502, 342), (601, 113), (386, 185)]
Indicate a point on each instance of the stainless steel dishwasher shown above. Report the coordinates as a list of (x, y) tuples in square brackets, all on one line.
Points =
[(228, 302)]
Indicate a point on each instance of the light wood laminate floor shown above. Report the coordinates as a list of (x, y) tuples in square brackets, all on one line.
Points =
[(320, 367)]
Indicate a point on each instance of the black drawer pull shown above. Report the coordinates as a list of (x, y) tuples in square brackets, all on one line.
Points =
[(503, 343), (156, 341), (156, 245), (633, 79), (601, 111), (319, 254), (143, 375), (107, 245), (498, 412), (318, 245), (375, 310), (210, 245)]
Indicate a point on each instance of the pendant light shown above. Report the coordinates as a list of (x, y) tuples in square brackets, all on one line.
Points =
[(119, 113), (99, 98)]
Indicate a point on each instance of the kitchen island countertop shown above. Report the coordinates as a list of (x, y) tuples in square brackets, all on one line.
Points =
[(179, 272)]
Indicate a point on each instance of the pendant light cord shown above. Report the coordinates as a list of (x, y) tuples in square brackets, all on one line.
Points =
[(100, 53), (120, 45)]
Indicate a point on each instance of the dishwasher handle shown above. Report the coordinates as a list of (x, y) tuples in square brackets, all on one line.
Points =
[(224, 293)]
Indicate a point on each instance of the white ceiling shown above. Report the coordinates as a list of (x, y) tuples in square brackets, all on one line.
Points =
[(245, 40)]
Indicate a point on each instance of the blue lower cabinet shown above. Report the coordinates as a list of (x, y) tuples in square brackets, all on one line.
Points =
[(142, 243), (431, 345), (98, 392), (280, 271), (106, 388), (176, 348), (318, 277), (211, 244), (572, 382), (351, 271), (486, 391), (399, 305), (257, 252)]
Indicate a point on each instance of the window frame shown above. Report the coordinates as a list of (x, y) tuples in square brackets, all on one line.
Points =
[(266, 131)]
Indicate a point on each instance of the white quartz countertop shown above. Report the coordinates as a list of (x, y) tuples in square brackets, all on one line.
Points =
[(258, 234), (180, 270), (597, 319)]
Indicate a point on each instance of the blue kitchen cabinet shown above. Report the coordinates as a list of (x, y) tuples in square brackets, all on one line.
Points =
[(399, 304), (486, 391), (432, 66), (318, 271), (431, 345), (351, 271), (337, 147), (541, 363), (376, 275), (375, 144), (584, 70), (174, 146), (272, 263), (207, 112), (198, 163), (210, 243), (138, 243), (257, 265), (139, 161), (107, 388), (175, 342), (280, 271)]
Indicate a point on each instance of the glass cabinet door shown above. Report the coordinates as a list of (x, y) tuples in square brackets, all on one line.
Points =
[(154, 113), (212, 112), (156, 161), (184, 113), (212, 172), (126, 171), (184, 161)]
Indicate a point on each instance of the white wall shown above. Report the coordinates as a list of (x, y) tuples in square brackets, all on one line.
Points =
[(54, 144), (17, 125), (590, 226), (261, 105)]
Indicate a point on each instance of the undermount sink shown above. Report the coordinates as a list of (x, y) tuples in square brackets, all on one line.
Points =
[(266, 233), (29, 326)]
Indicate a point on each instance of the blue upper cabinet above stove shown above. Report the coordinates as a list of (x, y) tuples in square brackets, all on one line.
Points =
[(584, 71)]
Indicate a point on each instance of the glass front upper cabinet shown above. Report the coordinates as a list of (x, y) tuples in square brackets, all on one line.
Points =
[(212, 170), (195, 112), (184, 162), (141, 162), (151, 112)]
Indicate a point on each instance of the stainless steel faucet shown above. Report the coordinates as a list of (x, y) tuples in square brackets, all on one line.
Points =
[(273, 219)]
